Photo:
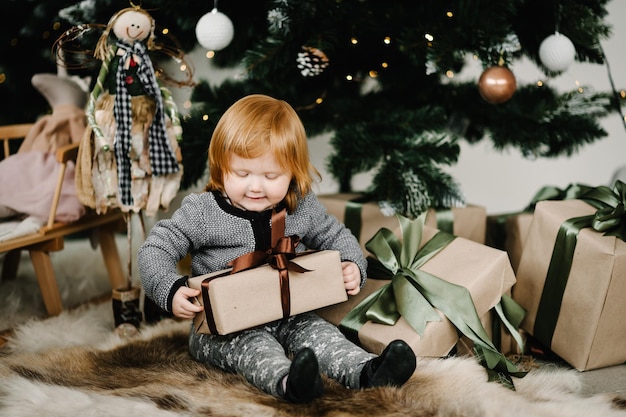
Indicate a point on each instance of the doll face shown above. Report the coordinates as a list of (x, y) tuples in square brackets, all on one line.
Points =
[(132, 26)]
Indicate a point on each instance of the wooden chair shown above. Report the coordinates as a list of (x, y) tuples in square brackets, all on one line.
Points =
[(50, 237)]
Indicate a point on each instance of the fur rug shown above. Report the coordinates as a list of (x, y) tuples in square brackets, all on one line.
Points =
[(76, 365)]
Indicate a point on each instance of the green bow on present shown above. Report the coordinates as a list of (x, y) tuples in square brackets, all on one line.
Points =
[(609, 218), (416, 295)]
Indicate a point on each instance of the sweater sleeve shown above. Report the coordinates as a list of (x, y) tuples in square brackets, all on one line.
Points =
[(325, 232), (168, 242)]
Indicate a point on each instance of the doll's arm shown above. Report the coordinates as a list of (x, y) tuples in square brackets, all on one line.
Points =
[(171, 110), (95, 93)]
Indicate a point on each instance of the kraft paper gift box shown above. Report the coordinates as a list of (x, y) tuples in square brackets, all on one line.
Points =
[(508, 232), (469, 222), (253, 297), (582, 321), (484, 271)]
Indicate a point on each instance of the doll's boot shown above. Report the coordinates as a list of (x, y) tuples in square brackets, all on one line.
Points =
[(393, 367), (304, 383)]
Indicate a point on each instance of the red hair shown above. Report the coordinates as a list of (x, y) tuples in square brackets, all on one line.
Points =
[(253, 126)]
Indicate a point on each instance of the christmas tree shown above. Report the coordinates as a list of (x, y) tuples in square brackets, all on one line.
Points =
[(380, 78)]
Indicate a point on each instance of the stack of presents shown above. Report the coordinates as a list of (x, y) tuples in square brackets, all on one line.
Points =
[(461, 281)]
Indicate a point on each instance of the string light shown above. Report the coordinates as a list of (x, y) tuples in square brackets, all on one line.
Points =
[(373, 74), (210, 54), (354, 40), (387, 40)]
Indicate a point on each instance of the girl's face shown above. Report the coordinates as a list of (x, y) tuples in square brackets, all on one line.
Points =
[(256, 184)]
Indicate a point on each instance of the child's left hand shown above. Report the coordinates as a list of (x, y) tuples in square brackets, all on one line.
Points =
[(351, 277)]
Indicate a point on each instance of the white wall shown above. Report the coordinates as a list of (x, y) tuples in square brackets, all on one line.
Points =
[(506, 181)]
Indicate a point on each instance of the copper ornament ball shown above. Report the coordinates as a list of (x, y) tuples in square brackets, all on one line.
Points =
[(497, 84)]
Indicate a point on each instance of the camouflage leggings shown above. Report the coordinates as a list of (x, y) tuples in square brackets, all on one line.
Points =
[(262, 354)]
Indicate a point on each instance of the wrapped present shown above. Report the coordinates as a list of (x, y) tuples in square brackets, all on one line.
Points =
[(263, 286), (364, 217), (509, 231), (426, 290), (245, 299), (572, 278)]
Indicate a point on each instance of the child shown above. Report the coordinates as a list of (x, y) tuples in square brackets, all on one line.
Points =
[(258, 160)]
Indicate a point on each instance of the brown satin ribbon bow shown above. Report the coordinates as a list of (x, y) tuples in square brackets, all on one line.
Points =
[(279, 257)]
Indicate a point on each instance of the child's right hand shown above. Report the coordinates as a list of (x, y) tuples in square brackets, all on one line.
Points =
[(182, 307)]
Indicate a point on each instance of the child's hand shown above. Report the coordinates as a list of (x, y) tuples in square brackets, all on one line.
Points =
[(351, 277), (181, 306)]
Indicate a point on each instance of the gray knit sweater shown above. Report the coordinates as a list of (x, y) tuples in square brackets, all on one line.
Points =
[(215, 232)]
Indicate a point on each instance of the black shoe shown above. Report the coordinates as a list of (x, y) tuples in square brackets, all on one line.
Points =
[(304, 383), (392, 368)]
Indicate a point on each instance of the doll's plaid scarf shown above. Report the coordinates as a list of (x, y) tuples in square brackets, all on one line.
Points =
[(162, 159)]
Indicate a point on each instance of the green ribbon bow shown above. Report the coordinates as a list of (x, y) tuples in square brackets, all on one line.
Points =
[(609, 218), (415, 294)]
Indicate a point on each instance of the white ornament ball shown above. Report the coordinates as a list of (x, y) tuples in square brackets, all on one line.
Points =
[(214, 30), (557, 52)]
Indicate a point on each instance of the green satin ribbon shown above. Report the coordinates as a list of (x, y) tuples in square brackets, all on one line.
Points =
[(445, 220), (609, 218), (572, 191), (510, 314), (416, 295), (352, 218)]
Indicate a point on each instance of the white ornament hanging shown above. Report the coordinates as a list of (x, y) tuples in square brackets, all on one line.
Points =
[(214, 30), (557, 52)]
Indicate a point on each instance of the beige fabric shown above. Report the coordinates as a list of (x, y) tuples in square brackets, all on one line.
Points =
[(96, 173), (64, 126)]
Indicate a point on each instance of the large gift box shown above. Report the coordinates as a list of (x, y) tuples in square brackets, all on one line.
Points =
[(482, 271), (508, 232), (253, 297), (364, 218), (573, 289)]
